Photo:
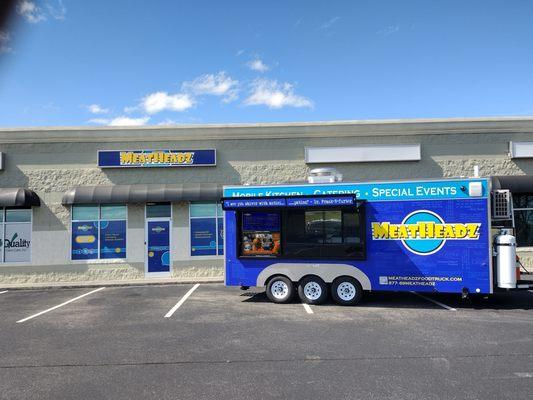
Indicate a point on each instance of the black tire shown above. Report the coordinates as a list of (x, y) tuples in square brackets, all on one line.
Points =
[(312, 290), (280, 289), (346, 291)]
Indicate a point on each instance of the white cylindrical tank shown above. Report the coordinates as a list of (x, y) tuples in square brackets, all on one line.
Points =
[(506, 259)]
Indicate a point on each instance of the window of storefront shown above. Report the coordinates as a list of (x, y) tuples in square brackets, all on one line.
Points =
[(523, 219), (207, 225), (158, 210), (15, 235), (99, 231)]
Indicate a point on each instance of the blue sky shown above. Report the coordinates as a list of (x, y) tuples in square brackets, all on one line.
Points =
[(74, 62)]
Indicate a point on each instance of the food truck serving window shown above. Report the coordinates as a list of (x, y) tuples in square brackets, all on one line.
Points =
[(304, 233), (323, 234)]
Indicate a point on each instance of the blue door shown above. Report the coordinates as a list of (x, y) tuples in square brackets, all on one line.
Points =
[(158, 246)]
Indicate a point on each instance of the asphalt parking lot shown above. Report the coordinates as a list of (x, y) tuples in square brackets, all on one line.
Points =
[(212, 342)]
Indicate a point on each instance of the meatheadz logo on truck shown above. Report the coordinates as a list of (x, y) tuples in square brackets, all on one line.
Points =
[(424, 232)]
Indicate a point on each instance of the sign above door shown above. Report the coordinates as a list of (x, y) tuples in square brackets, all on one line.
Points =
[(156, 158)]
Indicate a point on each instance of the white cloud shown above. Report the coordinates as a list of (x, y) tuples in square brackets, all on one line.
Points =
[(120, 121), (130, 109), (30, 11), (219, 84), (329, 23), (275, 95), (5, 38), (162, 101), (257, 65), (127, 121), (97, 109), (57, 9), (240, 52), (389, 30)]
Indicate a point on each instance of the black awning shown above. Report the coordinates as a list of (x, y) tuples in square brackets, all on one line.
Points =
[(513, 183), (18, 197), (143, 193)]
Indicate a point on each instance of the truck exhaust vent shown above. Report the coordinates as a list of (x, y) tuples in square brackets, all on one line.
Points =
[(501, 204)]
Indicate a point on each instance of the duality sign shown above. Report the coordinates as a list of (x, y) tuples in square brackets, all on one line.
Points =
[(156, 158)]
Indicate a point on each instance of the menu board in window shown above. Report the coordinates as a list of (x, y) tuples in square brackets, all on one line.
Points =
[(261, 234)]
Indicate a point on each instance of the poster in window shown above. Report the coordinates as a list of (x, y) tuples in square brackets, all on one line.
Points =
[(112, 239), (17, 242), (261, 234), (203, 236), (85, 240), (220, 236)]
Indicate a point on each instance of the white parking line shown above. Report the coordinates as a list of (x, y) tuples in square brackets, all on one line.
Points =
[(524, 374), (5, 291), (59, 305), (182, 300), (307, 308), (436, 302)]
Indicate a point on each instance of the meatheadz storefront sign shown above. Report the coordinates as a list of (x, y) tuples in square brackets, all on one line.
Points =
[(156, 158)]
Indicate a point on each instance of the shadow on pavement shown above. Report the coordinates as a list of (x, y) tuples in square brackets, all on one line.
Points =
[(519, 300)]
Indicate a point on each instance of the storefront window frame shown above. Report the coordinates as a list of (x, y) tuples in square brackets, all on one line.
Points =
[(99, 258), (219, 215), (515, 195), (3, 223)]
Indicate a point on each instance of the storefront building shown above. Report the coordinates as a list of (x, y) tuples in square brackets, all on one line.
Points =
[(89, 204)]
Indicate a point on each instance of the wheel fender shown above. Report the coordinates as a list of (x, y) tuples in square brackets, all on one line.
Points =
[(327, 272)]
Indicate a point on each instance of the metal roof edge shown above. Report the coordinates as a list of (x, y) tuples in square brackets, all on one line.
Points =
[(290, 130)]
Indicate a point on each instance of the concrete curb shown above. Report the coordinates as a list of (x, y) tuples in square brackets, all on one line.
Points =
[(135, 282)]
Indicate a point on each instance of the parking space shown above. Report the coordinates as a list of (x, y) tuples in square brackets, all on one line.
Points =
[(209, 341)]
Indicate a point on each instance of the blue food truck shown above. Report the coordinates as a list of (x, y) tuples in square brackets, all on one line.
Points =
[(346, 238)]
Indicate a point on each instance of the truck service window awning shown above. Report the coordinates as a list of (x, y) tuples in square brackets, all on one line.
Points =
[(239, 203), (18, 197), (143, 193), (515, 184)]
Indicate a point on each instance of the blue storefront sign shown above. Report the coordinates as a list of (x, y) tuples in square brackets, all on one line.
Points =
[(85, 240), (158, 246), (156, 158)]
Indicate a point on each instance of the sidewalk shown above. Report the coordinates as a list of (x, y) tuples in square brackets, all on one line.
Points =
[(134, 282)]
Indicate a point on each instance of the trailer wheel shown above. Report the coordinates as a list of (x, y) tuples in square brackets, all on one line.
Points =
[(280, 289), (346, 291), (312, 290)]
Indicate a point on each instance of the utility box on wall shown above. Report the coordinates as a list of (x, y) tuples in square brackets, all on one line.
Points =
[(2, 157)]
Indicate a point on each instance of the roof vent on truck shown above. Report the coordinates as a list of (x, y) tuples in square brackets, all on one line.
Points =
[(324, 175)]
